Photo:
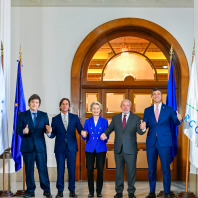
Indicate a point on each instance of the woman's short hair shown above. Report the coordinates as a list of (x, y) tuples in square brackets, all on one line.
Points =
[(96, 103)]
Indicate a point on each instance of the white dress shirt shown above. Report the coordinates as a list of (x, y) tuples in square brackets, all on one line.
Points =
[(95, 122), (127, 116), (159, 107), (67, 117)]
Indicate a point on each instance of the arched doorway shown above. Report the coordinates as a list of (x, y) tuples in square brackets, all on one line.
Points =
[(128, 88)]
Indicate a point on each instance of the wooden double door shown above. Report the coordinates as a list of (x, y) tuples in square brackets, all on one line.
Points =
[(111, 99)]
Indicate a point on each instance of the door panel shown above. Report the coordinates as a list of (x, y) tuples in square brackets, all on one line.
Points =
[(111, 99)]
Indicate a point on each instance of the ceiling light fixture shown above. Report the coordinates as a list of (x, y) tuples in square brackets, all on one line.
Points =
[(165, 67)]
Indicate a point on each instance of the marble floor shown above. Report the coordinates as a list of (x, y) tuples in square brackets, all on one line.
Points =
[(142, 189)]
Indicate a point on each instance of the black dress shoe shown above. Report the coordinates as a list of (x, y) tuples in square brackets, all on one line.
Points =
[(167, 195), (151, 195), (91, 195), (60, 194), (99, 195), (29, 194), (47, 194), (72, 194), (118, 195), (131, 195)]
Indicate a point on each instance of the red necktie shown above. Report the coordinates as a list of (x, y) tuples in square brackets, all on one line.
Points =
[(157, 113), (124, 122)]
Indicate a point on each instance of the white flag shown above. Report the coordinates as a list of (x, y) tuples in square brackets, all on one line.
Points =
[(193, 154), (191, 115), (4, 142)]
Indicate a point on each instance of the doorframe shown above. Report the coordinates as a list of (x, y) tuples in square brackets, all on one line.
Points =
[(164, 38)]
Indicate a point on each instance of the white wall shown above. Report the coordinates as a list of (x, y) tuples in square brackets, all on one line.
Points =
[(50, 36)]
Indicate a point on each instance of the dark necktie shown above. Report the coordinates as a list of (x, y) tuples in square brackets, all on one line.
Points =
[(124, 122), (34, 119)]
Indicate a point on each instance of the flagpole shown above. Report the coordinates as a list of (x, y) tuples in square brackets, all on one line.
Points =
[(188, 144), (3, 152), (2, 55), (187, 165), (20, 59), (21, 192), (4, 193), (186, 193), (172, 194)]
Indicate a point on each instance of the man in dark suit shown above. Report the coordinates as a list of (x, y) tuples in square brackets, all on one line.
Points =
[(31, 126), (159, 140), (64, 127), (125, 125)]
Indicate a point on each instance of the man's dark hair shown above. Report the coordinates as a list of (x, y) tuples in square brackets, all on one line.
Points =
[(156, 89), (33, 97), (61, 101)]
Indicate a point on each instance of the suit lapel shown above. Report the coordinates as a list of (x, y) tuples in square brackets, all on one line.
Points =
[(129, 120), (153, 114), (69, 121), (161, 112), (120, 121), (98, 123), (30, 121), (61, 122), (91, 122), (38, 118)]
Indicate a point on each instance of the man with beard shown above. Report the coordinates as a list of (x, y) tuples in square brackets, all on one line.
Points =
[(125, 125)]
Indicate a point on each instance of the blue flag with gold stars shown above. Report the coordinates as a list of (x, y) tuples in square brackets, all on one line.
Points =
[(19, 106), (172, 102)]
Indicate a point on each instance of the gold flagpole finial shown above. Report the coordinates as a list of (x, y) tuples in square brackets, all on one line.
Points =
[(1, 48), (193, 48), (171, 52), (20, 59), (20, 53)]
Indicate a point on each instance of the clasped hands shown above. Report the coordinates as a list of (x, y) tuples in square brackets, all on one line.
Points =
[(84, 133), (142, 125), (103, 136), (49, 130)]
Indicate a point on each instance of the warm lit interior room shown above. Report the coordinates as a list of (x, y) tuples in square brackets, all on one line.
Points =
[(86, 52)]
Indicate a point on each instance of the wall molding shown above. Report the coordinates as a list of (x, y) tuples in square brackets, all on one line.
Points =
[(104, 3)]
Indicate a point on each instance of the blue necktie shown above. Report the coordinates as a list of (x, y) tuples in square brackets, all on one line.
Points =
[(34, 119)]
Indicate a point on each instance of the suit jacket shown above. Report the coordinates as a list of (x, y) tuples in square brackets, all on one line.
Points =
[(161, 129), (126, 138), (35, 137), (94, 132), (63, 137)]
